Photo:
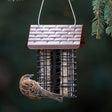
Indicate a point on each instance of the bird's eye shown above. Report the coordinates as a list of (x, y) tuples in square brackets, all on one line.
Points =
[(31, 85)]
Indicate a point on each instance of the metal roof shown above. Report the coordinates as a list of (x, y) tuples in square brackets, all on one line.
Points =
[(55, 37)]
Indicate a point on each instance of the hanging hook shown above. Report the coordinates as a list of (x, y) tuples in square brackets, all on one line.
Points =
[(72, 12), (70, 7), (40, 12)]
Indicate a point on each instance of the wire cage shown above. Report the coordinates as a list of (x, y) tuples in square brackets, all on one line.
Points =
[(56, 71)]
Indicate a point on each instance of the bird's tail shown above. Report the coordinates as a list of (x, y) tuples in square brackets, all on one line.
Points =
[(48, 94), (57, 97), (51, 95)]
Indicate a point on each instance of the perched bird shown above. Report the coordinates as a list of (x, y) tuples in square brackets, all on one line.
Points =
[(33, 90)]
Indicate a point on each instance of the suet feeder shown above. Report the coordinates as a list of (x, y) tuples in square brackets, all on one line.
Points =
[(56, 56)]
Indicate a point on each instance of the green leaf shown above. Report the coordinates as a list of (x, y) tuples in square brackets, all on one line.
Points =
[(109, 30), (94, 27), (102, 21)]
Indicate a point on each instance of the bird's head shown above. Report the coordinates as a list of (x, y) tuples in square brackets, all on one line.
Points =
[(28, 76), (25, 84)]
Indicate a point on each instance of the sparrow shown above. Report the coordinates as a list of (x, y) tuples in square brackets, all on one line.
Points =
[(31, 89)]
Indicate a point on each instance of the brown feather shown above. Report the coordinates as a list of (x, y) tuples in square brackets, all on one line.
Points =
[(33, 90)]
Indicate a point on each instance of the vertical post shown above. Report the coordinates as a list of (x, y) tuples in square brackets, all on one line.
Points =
[(73, 70), (54, 71), (75, 78), (45, 69), (63, 74), (42, 69), (58, 71), (48, 69), (38, 65), (70, 73)]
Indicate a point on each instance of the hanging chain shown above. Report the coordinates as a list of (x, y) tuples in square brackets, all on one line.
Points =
[(70, 7)]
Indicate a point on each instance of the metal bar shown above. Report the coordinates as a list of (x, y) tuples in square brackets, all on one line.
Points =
[(67, 71), (72, 60), (42, 68), (63, 90), (38, 65), (57, 77), (48, 68), (75, 78), (71, 71), (54, 70)]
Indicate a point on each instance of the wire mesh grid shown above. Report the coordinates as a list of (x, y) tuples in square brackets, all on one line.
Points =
[(56, 71)]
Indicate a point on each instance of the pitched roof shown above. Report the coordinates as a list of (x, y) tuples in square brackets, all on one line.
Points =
[(55, 37)]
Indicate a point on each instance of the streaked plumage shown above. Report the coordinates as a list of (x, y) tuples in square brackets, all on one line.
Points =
[(33, 90)]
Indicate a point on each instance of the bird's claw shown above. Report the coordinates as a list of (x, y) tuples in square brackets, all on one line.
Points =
[(31, 75)]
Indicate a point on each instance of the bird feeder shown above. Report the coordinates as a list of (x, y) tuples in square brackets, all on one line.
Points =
[(56, 56)]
